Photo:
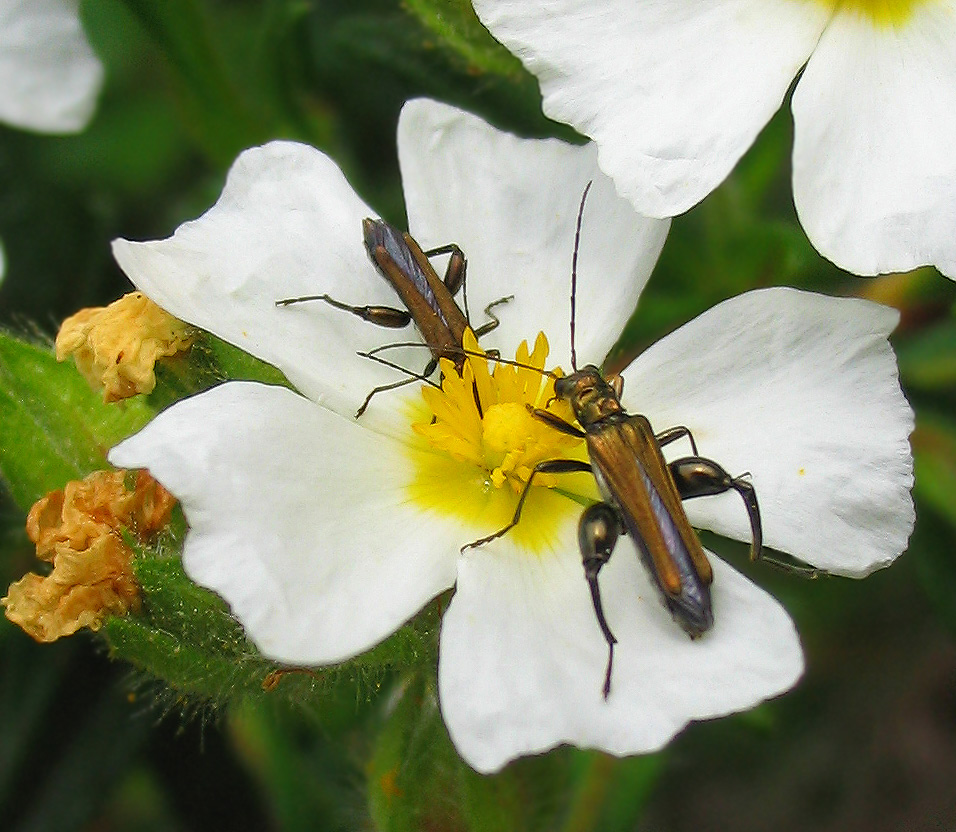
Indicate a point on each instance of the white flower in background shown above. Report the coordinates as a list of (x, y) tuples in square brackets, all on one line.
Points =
[(49, 76), (326, 533), (675, 92)]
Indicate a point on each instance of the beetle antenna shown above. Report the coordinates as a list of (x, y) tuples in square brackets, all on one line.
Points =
[(574, 272), (412, 375), (373, 353)]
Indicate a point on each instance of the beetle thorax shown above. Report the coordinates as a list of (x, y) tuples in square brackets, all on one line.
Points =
[(590, 396)]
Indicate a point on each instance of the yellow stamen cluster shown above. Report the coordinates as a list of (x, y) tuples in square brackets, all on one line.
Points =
[(483, 443), (116, 347), (77, 529)]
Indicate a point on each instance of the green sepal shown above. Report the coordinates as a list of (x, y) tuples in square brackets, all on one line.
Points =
[(209, 362), (53, 427), (186, 636), (234, 363)]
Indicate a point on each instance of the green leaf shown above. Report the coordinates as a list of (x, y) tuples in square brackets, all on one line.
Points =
[(95, 757), (493, 803), (369, 63), (408, 789), (28, 688), (458, 30), (311, 779), (53, 427)]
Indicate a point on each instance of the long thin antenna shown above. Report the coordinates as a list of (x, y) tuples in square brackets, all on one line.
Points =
[(574, 272), (373, 353)]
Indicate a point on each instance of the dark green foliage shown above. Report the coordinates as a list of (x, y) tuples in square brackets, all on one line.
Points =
[(55, 428)]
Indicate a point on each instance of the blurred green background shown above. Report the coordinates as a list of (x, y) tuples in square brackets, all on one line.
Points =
[(866, 742)]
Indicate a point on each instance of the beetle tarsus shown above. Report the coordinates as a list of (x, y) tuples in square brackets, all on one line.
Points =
[(746, 490)]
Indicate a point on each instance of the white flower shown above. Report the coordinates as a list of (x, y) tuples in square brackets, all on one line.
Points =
[(49, 76), (674, 92), (325, 533)]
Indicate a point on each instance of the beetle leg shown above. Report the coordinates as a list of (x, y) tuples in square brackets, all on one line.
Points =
[(598, 531), (665, 437), (549, 466), (487, 327), (454, 273), (695, 476), (454, 280), (429, 369), (798, 569), (380, 315), (699, 477), (557, 423), (456, 268)]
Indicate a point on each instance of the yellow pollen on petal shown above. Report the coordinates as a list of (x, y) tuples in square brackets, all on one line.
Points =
[(482, 443), (882, 13)]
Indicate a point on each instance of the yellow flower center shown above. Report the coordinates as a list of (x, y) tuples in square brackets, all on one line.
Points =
[(884, 13), (482, 443)]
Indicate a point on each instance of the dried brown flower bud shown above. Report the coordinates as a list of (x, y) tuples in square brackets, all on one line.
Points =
[(116, 347), (78, 530)]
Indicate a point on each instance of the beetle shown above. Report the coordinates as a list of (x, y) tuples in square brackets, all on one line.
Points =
[(429, 300), (642, 493)]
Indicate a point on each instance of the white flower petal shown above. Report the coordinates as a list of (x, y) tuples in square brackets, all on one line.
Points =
[(802, 391), (287, 224), (512, 205), (298, 517), (672, 92), (49, 76), (874, 155), (523, 659)]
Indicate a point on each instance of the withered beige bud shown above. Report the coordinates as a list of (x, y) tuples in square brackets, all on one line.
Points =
[(78, 529), (116, 347)]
